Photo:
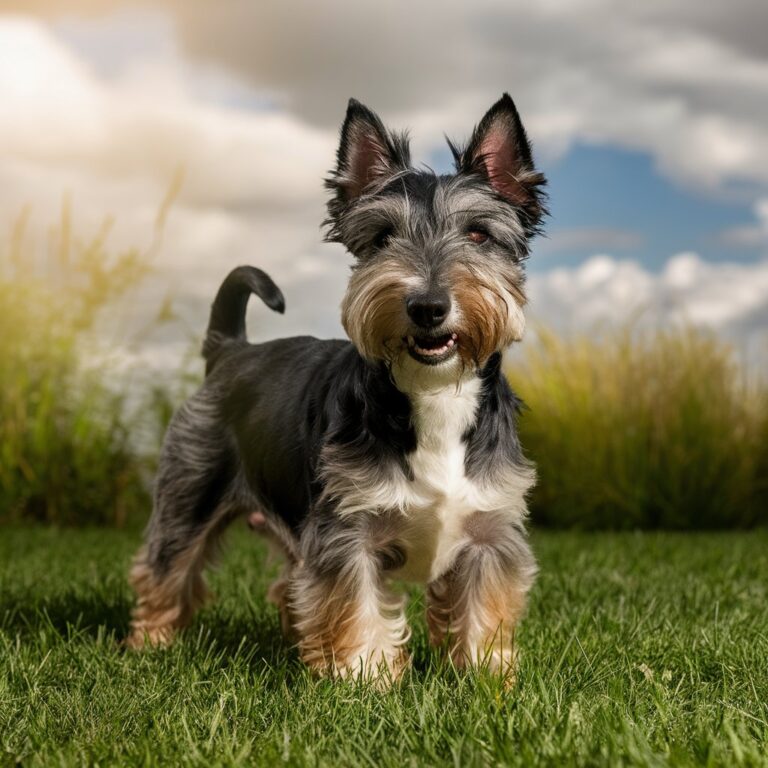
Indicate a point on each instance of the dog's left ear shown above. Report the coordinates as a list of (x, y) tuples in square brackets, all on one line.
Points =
[(499, 151)]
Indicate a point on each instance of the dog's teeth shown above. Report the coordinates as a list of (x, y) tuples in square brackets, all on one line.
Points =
[(433, 351)]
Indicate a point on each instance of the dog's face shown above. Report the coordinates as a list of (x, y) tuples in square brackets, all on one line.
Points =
[(438, 283)]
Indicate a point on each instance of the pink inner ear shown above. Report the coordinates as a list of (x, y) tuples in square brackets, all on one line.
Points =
[(500, 158), (366, 163)]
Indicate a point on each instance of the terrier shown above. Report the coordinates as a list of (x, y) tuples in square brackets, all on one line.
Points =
[(390, 457)]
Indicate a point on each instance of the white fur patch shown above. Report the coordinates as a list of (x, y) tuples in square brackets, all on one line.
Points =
[(441, 497), (432, 507)]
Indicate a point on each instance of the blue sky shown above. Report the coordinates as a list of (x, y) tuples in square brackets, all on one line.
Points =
[(627, 193), (622, 205)]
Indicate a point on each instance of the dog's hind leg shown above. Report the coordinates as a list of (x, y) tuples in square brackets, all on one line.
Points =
[(284, 545), (194, 502)]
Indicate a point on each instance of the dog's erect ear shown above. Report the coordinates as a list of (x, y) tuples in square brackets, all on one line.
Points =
[(367, 152), (499, 150)]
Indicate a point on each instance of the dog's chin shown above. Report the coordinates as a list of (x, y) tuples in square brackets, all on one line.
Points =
[(427, 364)]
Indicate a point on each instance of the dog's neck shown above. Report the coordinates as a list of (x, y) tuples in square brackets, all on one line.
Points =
[(443, 416), (444, 400), (416, 380)]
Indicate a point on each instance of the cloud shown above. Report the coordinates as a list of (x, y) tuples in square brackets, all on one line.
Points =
[(252, 190), (246, 98), (751, 235), (589, 239), (730, 299), (687, 84), (146, 125), (252, 179)]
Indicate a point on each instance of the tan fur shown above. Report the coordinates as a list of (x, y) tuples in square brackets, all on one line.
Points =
[(373, 309), (349, 625), (476, 620), (283, 544), (163, 606), (474, 608), (491, 310)]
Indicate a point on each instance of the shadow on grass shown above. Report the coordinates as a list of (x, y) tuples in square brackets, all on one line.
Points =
[(64, 614), (221, 633), (69, 616)]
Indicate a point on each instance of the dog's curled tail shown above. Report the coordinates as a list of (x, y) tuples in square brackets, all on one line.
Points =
[(228, 309)]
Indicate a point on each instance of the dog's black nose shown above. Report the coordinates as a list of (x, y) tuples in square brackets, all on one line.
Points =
[(428, 310)]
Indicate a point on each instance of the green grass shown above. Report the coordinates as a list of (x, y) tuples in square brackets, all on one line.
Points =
[(639, 649)]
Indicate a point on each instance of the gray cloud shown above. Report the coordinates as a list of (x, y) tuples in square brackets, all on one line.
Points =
[(684, 81), (602, 239)]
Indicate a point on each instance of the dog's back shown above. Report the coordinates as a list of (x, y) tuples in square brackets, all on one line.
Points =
[(273, 400)]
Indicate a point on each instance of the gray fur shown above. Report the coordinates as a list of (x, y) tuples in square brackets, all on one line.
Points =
[(338, 451)]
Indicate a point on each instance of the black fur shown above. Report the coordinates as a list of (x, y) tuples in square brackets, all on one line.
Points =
[(319, 438), (281, 402), (228, 309), (493, 441)]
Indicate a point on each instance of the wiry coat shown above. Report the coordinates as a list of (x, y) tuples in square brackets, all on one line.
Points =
[(394, 455)]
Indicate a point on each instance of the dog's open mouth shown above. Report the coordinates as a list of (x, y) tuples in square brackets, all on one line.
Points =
[(432, 350)]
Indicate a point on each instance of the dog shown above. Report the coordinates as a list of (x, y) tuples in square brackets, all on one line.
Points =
[(390, 457)]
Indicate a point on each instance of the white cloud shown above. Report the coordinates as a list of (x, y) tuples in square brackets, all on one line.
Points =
[(728, 298), (56, 112), (252, 188)]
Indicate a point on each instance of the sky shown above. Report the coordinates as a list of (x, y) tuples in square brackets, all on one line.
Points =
[(649, 120)]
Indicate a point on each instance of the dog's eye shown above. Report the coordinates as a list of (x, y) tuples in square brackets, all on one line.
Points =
[(382, 238), (477, 235)]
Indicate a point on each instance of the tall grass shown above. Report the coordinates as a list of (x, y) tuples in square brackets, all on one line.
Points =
[(632, 431), (66, 453), (644, 430)]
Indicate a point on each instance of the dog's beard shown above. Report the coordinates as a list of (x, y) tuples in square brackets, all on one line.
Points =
[(412, 376), (487, 316)]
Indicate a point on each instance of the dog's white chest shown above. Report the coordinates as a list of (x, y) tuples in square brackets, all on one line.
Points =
[(440, 494)]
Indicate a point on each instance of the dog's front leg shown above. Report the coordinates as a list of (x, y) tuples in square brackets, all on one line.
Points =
[(348, 621), (474, 607)]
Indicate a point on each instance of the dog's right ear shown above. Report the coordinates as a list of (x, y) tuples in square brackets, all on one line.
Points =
[(368, 153)]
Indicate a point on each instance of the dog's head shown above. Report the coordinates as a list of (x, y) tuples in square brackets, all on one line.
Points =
[(438, 283)]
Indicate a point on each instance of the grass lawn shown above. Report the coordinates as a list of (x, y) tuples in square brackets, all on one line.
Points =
[(639, 649)]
